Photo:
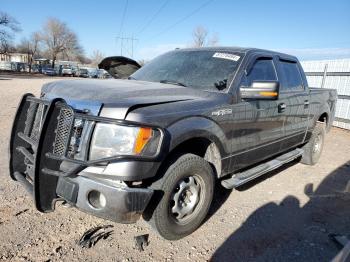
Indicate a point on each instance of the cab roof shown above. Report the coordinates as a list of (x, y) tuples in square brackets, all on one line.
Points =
[(245, 50)]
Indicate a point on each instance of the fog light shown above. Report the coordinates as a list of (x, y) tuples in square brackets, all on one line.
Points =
[(96, 199)]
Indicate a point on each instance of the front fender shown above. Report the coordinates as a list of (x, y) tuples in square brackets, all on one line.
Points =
[(198, 127)]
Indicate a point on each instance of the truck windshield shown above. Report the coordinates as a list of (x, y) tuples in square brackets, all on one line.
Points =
[(206, 70)]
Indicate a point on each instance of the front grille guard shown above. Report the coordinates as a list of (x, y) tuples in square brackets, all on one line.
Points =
[(41, 140)]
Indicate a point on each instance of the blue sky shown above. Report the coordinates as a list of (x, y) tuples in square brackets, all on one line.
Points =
[(309, 29)]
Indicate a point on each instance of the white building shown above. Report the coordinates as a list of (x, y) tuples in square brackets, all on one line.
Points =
[(14, 57)]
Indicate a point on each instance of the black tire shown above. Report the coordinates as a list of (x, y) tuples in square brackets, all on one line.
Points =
[(313, 148), (185, 178)]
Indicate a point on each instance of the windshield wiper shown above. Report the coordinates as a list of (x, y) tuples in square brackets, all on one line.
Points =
[(172, 82), (131, 78)]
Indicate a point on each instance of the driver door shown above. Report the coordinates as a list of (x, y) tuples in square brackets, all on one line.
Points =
[(257, 123)]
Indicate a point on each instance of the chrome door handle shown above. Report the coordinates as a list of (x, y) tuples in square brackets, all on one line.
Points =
[(306, 103)]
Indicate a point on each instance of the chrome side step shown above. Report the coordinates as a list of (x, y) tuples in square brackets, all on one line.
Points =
[(239, 179)]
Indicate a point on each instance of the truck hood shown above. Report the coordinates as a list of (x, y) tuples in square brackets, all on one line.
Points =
[(123, 95)]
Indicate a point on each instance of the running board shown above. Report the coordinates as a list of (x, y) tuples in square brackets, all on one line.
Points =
[(241, 178)]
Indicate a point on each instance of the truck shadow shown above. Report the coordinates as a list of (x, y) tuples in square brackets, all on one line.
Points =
[(221, 194), (290, 232)]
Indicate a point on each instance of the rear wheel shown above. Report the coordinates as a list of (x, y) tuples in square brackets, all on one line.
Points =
[(188, 187), (313, 149)]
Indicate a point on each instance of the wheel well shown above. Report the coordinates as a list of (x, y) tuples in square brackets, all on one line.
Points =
[(196, 146), (323, 118), (202, 147)]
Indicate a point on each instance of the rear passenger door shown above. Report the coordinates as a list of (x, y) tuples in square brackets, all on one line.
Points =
[(295, 99)]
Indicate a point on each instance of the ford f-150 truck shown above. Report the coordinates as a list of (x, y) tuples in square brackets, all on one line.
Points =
[(155, 144)]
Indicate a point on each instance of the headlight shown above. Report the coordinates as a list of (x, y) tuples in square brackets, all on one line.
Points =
[(112, 140)]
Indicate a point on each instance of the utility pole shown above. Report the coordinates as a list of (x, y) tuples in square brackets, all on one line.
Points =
[(127, 44)]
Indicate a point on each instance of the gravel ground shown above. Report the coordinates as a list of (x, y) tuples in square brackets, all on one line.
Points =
[(270, 219)]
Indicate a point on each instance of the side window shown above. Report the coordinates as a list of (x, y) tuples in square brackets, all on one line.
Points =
[(290, 78), (263, 69)]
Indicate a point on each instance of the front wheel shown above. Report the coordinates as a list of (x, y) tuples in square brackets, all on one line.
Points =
[(188, 187)]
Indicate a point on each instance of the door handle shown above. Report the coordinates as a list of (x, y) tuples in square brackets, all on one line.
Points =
[(281, 107), (306, 103)]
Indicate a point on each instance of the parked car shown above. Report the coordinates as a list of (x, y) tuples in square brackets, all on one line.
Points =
[(35, 68), (67, 70), (5, 65), (75, 71), (101, 73), (19, 66), (48, 71), (92, 72), (155, 144), (83, 72)]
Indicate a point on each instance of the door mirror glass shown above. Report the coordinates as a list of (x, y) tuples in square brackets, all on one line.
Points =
[(267, 90)]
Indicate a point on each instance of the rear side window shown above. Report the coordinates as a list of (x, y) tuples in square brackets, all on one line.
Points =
[(291, 78), (263, 69)]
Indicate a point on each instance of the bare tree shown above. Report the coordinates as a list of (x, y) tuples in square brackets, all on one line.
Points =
[(83, 59), (71, 55), (8, 26), (200, 37), (30, 47), (96, 57), (213, 40), (59, 39), (142, 62)]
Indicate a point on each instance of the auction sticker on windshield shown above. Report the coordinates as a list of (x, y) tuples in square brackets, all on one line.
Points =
[(227, 56)]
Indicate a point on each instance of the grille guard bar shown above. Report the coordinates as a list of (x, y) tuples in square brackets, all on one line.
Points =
[(32, 161)]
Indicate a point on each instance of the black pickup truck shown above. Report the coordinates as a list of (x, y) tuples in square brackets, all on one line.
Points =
[(155, 144)]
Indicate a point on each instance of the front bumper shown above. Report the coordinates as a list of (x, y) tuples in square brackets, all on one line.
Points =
[(104, 198), (42, 158)]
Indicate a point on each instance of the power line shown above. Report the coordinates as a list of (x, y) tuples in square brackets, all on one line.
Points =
[(127, 44), (123, 17), (183, 19), (153, 17), (121, 27)]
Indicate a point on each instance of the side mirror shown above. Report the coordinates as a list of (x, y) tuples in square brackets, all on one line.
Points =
[(268, 90)]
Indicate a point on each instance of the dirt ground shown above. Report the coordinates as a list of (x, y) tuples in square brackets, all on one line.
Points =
[(271, 219)]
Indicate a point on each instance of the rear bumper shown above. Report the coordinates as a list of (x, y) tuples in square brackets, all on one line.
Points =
[(105, 199)]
